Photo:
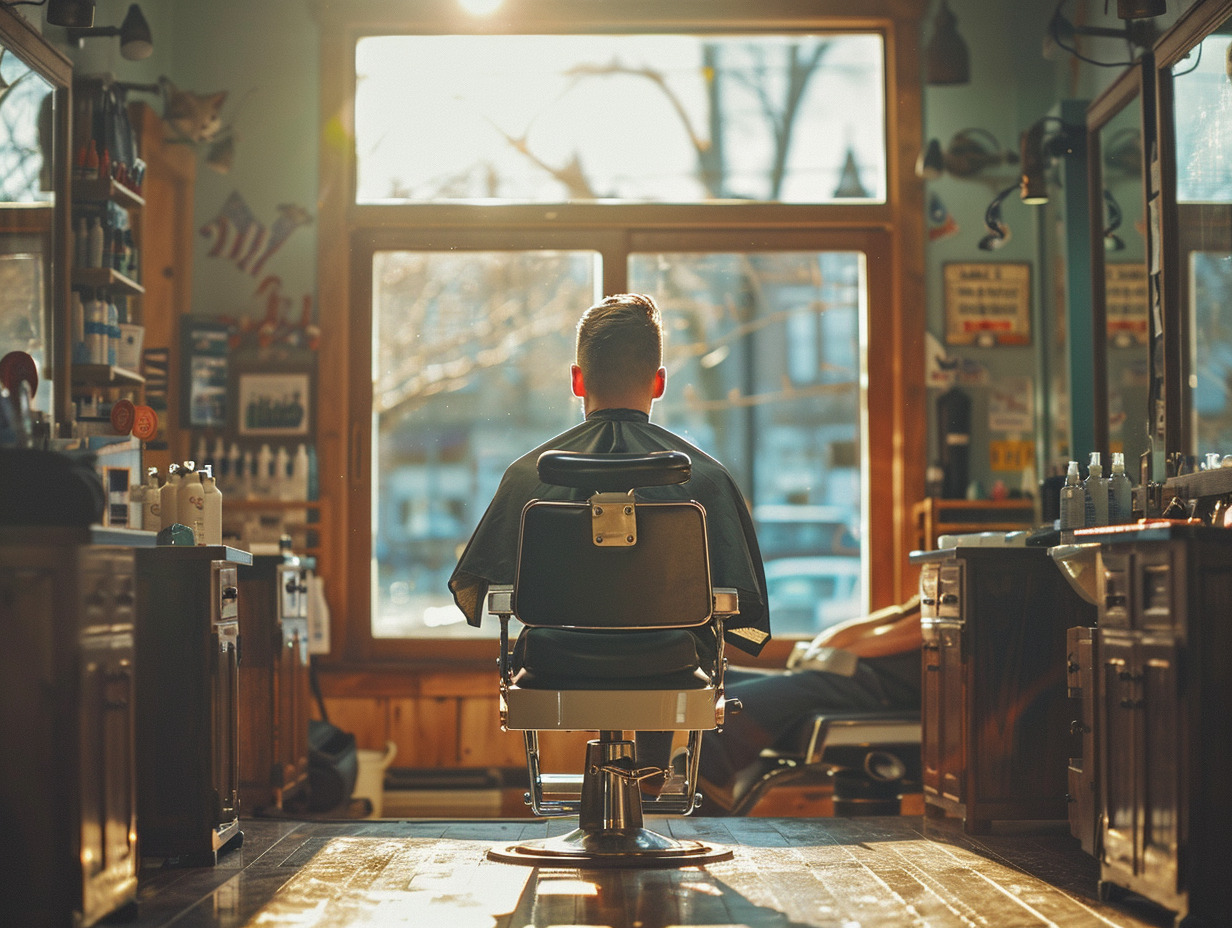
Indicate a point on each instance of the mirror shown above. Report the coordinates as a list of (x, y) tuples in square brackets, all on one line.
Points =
[(1115, 125), (34, 82), (1200, 96)]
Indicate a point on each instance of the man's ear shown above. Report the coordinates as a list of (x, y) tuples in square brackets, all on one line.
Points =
[(660, 383), (575, 376)]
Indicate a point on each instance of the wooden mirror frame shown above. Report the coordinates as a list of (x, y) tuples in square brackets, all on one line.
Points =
[(22, 41)]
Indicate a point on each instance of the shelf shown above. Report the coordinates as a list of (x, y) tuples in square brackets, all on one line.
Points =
[(105, 278), (106, 191), (105, 375)]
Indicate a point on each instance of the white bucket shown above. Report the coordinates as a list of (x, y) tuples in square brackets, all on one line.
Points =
[(370, 778)]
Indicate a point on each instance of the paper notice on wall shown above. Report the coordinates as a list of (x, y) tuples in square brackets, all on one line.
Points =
[(1011, 405)]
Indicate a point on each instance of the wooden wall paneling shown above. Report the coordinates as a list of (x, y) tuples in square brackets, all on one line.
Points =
[(425, 729), (364, 717)]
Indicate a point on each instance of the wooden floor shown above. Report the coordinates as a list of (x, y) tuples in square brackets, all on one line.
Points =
[(786, 873)]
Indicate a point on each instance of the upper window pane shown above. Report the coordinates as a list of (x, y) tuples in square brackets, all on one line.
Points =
[(651, 118)]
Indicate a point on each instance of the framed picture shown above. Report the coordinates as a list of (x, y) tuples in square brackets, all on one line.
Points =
[(203, 389), (987, 303), (273, 401)]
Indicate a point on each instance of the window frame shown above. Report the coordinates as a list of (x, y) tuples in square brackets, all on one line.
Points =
[(890, 234)]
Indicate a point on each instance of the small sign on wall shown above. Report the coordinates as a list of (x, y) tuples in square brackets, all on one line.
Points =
[(987, 303), (1127, 302)]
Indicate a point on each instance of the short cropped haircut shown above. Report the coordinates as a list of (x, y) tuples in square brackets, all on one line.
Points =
[(620, 344)]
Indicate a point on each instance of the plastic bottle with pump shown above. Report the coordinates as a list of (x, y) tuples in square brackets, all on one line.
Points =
[(1096, 487), (151, 508), (1073, 502), (211, 507), (169, 496), (1120, 492), (189, 503)]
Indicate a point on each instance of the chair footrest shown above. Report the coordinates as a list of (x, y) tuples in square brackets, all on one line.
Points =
[(614, 710)]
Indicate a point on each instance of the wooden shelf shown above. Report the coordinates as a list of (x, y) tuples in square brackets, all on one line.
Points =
[(934, 517), (105, 375), (105, 278), (106, 191)]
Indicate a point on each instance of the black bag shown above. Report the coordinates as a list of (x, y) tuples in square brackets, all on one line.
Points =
[(333, 758), (333, 764)]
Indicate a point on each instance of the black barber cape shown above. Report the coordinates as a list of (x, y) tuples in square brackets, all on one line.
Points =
[(735, 560)]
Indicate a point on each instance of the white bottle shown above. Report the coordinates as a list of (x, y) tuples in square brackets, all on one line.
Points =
[(96, 330), (94, 244), (169, 496), (211, 508), (1096, 486), (263, 485), (113, 330), (189, 504), (152, 510), (246, 477), (80, 352), (1120, 492), (282, 474), (299, 474), (81, 243), (235, 477), (1073, 502)]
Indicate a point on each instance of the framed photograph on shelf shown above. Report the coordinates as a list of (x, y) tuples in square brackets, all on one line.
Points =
[(272, 400), (203, 389)]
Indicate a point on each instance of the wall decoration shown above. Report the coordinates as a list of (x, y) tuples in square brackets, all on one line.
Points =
[(1127, 301), (203, 357), (245, 240), (272, 400), (941, 222), (987, 303)]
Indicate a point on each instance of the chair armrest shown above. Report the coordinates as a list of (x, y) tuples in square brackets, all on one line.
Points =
[(725, 601), (500, 599)]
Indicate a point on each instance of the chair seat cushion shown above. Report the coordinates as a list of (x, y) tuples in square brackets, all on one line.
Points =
[(552, 658)]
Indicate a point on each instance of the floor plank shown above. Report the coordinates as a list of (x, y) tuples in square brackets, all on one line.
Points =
[(895, 872)]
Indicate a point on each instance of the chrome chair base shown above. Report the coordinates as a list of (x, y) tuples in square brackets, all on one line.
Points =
[(632, 849)]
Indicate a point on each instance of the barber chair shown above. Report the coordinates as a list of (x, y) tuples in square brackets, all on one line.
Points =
[(871, 759), (622, 632)]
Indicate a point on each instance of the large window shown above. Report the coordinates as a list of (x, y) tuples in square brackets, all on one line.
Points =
[(471, 354), (665, 118)]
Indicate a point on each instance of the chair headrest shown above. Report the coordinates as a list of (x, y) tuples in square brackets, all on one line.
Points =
[(607, 473)]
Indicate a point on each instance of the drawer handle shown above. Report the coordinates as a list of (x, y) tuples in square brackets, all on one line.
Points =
[(928, 601), (230, 594), (948, 599), (1113, 600), (1078, 728)]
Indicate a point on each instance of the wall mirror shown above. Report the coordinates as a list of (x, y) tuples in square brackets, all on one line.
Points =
[(1195, 117), (34, 81), (1118, 121)]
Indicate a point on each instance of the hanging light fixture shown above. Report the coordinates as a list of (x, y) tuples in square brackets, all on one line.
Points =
[(946, 58), (998, 231), (136, 40), (970, 153), (78, 14), (1038, 151)]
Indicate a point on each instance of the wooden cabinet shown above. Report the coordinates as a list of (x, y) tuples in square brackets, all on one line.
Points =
[(188, 657), (274, 689), (1164, 724), (67, 781), (996, 720)]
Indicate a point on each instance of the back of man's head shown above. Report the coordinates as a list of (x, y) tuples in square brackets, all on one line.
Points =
[(620, 344)]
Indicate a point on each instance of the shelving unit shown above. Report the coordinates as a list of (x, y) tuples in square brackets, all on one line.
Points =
[(934, 517)]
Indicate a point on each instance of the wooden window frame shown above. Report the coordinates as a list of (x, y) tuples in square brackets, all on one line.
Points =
[(891, 234)]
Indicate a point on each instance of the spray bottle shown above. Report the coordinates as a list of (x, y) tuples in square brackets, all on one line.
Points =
[(189, 502), (1120, 491), (151, 504), (1096, 487), (211, 507), (1073, 500)]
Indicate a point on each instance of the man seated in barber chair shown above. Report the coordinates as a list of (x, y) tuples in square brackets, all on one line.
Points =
[(865, 668), (618, 376)]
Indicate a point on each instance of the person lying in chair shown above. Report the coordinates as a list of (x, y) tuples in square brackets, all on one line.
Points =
[(618, 375), (869, 664)]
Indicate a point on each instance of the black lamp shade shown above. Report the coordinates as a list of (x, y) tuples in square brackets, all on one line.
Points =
[(1034, 185), (136, 41), (931, 163), (1141, 9), (76, 14), (946, 58)]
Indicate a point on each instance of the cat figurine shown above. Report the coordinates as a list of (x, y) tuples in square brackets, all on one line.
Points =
[(192, 117)]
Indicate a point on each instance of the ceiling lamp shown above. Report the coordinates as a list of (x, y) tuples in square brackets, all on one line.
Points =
[(136, 41)]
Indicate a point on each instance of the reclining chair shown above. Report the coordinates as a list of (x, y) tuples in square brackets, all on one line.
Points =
[(618, 610)]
